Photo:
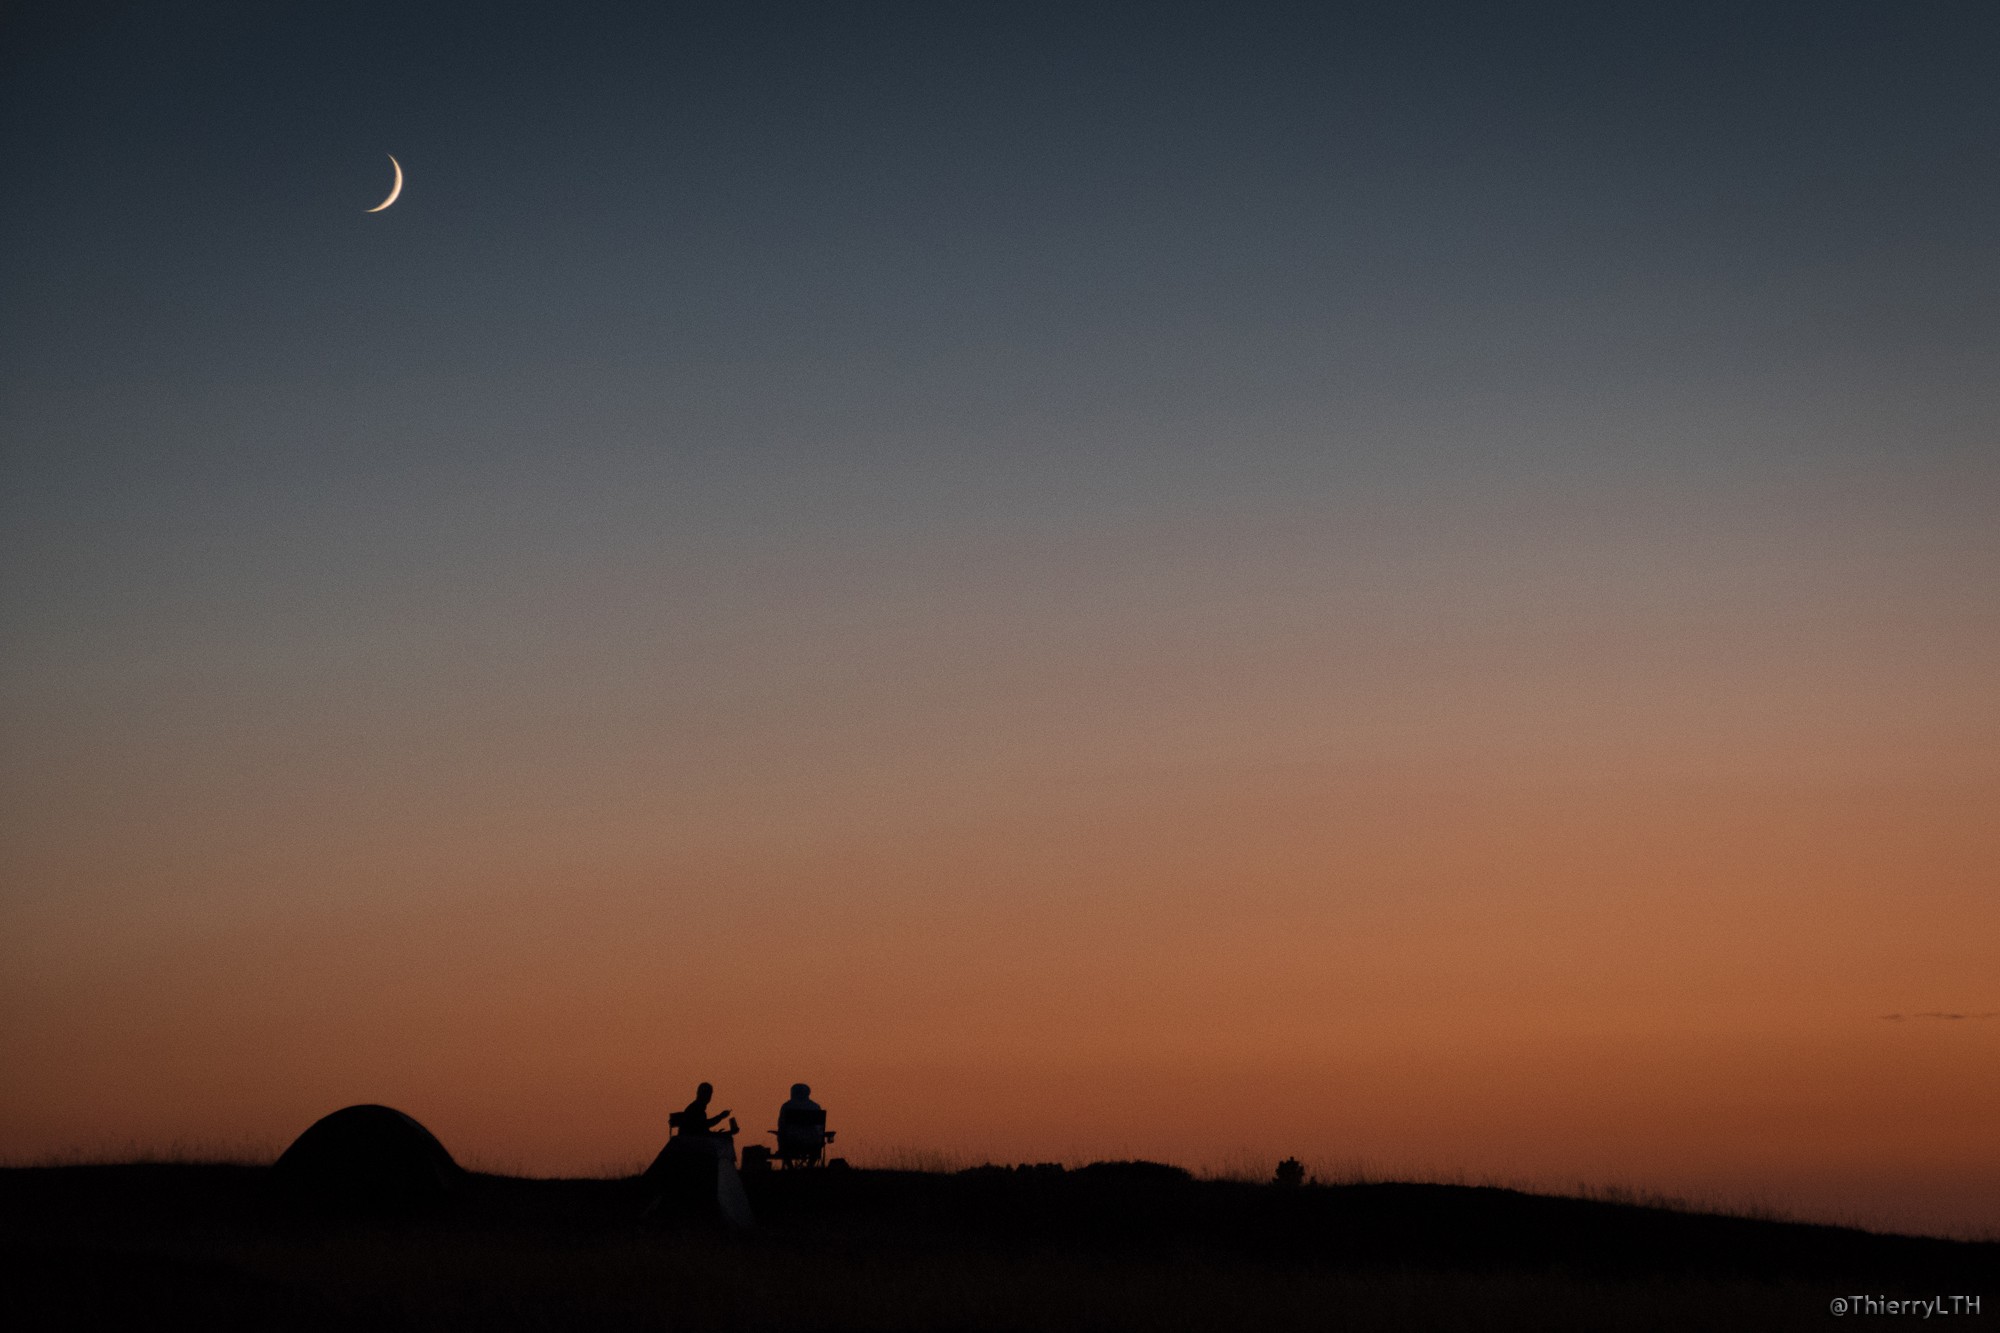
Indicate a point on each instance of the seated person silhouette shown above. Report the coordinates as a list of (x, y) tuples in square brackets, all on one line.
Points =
[(695, 1119), (801, 1131), (695, 1174)]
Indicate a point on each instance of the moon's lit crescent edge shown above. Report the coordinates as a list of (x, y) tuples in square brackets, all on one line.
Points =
[(394, 190)]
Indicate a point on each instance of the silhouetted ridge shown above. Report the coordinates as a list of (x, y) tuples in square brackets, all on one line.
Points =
[(999, 1249), (1135, 1173)]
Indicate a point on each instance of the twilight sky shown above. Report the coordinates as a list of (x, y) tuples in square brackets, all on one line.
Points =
[(1415, 586)]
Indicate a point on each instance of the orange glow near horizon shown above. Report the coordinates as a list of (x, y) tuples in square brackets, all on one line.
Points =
[(1545, 974)]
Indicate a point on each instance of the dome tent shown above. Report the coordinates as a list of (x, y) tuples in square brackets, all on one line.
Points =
[(371, 1158)]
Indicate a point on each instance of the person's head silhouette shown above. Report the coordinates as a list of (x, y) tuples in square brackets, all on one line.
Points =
[(801, 1091), (704, 1092)]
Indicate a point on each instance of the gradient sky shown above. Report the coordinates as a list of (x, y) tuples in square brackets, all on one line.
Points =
[(1412, 586)]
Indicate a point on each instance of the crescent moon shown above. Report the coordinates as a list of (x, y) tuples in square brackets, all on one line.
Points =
[(396, 190)]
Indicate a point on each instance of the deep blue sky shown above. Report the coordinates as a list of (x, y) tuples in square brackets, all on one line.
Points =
[(765, 243), (1151, 201)]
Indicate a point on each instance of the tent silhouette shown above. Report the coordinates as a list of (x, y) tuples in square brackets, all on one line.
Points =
[(367, 1157)]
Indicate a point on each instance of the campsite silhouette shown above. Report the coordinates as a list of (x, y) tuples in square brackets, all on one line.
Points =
[(367, 1220)]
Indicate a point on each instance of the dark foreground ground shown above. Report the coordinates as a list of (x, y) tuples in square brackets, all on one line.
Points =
[(174, 1246)]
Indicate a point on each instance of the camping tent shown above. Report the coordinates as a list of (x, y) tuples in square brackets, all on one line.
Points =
[(367, 1157)]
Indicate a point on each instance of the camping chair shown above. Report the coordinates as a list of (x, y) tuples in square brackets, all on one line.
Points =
[(802, 1139), (679, 1127)]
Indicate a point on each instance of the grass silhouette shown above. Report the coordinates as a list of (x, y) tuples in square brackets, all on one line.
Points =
[(1106, 1246)]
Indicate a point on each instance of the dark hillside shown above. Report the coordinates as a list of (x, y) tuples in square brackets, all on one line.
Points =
[(1113, 1246)]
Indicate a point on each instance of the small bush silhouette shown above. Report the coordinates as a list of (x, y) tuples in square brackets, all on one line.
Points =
[(1291, 1173)]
